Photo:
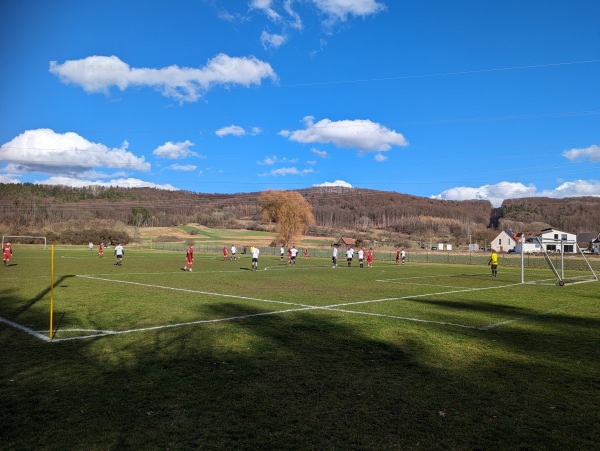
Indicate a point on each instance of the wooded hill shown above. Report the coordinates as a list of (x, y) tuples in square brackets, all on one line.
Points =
[(28, 208)]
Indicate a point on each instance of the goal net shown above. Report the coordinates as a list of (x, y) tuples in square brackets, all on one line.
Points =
[(23, 239), (554, 262)]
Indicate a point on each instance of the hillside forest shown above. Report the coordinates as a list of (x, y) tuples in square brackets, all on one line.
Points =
[(76, 215)]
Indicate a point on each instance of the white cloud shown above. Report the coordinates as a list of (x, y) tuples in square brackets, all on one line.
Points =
[(174, 151), (333, 10), (511, 190), (235, 130), (336, 183), (269, 161), (592, 152), (341, 9), (7, 178), (574, 189), (319, 153), (266, 6), (123, 183), (225, 15), (288, 171), (494, 193), (67, 154), (295, 20), (255, 131), (380, 157), (186, 84), (273, 41), (364, 135), (183, 167)]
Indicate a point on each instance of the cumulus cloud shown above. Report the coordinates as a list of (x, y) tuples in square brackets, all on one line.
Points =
[(364, 135), (336, 183), (380, 157), (592, 152), (341, 9), (234, 130), (511, 190), (122, 182), (183, 167), (174, 151), (494, 193), (574, 189), (186, 84), (272, 41), (65, 154)]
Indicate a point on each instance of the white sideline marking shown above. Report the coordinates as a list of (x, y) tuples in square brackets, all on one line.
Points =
[(522, 317), (24, 329), (168, 326)]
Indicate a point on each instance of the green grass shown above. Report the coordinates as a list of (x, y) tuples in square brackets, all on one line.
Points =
[(430, 356)]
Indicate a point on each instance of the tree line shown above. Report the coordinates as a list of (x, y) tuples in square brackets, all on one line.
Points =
[(27, 208)]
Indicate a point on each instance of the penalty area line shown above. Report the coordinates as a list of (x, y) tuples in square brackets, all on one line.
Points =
[(186, 290)]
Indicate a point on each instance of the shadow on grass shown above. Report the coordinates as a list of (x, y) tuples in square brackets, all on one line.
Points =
[(301, 380), (13, 305)]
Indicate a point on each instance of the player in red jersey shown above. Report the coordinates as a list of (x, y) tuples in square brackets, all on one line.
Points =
[(189, 259), (370, 258), (101, 250), (6, 254), (224, 252)]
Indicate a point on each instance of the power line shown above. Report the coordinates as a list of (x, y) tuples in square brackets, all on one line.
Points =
[(444, 74)]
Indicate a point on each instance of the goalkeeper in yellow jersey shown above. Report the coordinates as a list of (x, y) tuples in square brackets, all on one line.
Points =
[(494, 263)]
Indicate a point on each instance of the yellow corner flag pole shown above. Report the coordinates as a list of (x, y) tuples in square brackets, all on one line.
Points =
[(51, 290)]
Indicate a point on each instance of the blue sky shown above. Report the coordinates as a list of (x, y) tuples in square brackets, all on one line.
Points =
[(445, 99)]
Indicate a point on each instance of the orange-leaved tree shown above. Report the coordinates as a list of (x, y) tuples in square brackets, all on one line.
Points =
[(289, 211)]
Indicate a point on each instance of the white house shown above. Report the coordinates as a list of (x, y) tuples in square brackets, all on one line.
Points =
[(505, 241), (552, 240), (595, 245), (559, 241)]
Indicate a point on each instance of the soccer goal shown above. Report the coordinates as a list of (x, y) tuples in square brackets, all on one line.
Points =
[(23, 239), (556, 262)]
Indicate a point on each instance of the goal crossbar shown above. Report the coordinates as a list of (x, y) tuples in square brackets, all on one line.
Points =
[(8, 238)]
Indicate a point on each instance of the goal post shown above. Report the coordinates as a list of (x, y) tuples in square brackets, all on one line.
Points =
[(557, 262), (28, 238)]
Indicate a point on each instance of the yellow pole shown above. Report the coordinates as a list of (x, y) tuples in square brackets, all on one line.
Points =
[(51, 290)]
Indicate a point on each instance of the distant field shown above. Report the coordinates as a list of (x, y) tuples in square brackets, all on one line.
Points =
[(425, 355), (201, 234)]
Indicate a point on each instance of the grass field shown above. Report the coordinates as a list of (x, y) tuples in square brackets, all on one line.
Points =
[(429, 356)]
